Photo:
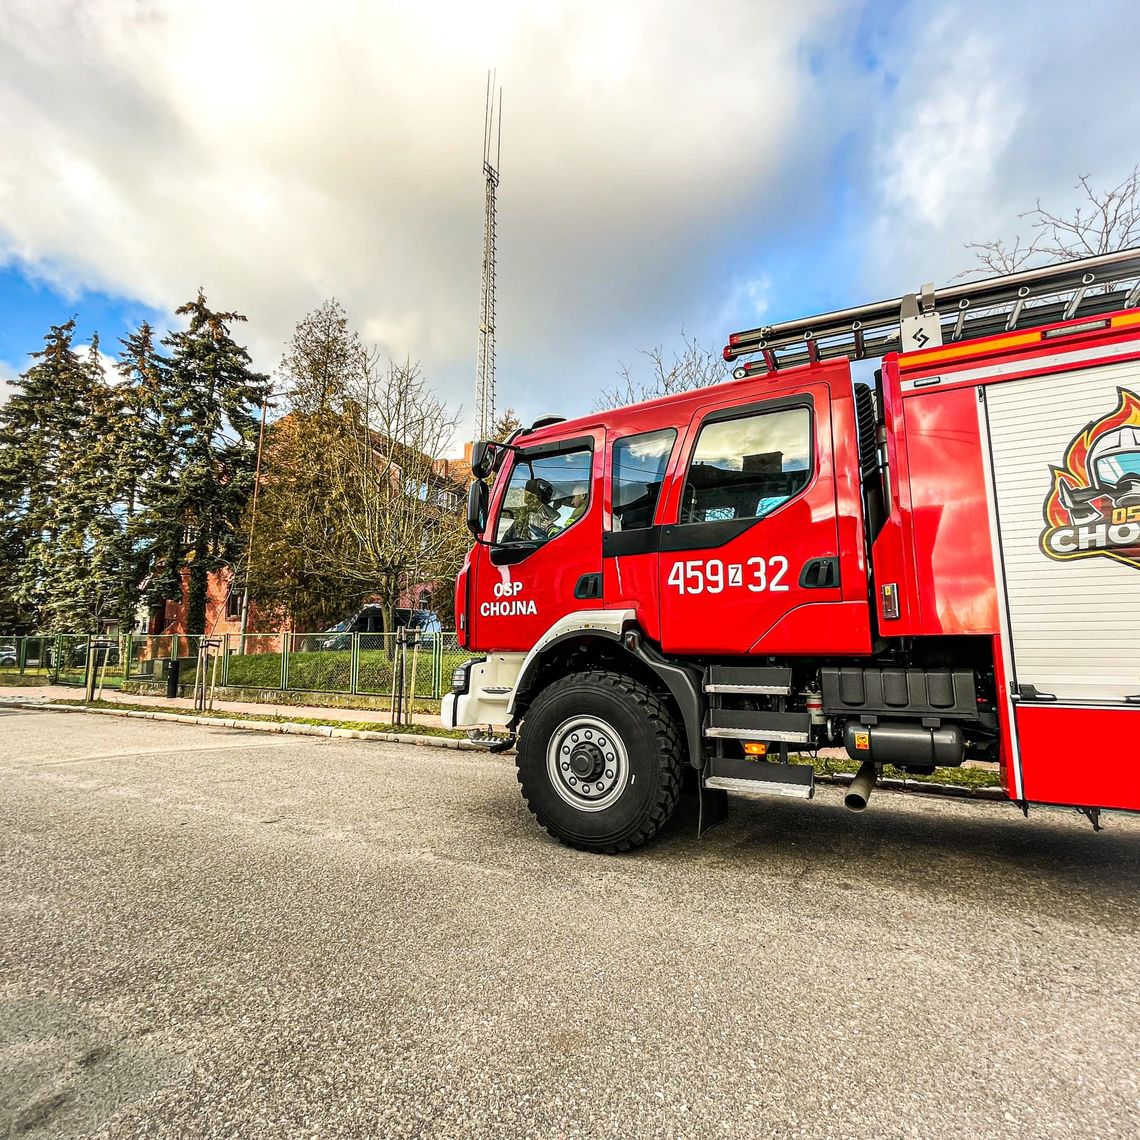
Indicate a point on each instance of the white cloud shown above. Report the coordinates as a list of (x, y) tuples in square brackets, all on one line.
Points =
[(991, 110), (8, 373), (279, 152), (662, 162), (942, 160), (747, 300)]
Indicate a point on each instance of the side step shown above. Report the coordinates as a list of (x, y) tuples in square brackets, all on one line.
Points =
[(761, 778), (746, 724), (760, 680)]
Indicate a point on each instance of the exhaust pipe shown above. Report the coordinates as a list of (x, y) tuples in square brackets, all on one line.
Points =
[(859, 790)]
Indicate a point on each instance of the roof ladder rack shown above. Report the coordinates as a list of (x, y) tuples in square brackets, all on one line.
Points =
[(1089, 287)]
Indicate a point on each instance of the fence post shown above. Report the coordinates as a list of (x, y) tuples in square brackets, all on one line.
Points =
[(21, 654), (354, 663), (398, 676), (285, 660), (225, 660), (89, 674)]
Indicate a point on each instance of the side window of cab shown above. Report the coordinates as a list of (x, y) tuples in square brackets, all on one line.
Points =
[(546, 494), (746, 466), (639, 463)]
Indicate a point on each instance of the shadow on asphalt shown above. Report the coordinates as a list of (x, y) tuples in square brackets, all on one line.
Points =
[(900, 835)]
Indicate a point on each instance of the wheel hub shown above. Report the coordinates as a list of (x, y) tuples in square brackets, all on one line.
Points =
[(587, 763)]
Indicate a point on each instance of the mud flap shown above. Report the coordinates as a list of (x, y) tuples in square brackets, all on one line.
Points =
[(712, 806)]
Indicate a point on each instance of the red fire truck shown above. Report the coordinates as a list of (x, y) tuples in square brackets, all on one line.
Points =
[(938, 566)]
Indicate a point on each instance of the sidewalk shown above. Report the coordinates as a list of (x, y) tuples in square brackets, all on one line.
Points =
[(50, 693)]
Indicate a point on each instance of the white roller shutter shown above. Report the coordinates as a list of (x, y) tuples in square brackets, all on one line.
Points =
[(1074, 625)]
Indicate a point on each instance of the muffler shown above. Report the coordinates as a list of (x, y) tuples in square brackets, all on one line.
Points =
[(859, 790)]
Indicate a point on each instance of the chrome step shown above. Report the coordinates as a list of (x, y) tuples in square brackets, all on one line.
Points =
[(747, 724), (760, 778), (759, 690), (760, 787), (759, 680)]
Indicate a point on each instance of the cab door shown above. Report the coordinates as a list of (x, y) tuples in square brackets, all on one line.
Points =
[(636, 475), (544, 554), (750, 559)]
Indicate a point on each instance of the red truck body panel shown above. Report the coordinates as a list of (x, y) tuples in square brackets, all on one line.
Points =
[(963, 551), (1053, 750)]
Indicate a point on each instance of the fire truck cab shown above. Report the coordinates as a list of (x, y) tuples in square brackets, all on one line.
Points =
[(940, 566)]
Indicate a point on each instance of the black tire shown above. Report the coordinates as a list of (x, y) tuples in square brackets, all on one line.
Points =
[(637, 790)]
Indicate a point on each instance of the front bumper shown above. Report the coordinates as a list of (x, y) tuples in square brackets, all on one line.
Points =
[(490, 686)]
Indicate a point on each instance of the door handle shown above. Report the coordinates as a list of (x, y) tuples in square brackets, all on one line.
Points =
[(589, 586), (820, 574)]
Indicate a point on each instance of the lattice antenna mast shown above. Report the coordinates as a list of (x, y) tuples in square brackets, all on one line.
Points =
[(485, 368)]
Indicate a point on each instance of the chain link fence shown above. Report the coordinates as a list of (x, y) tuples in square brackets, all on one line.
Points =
[(347, 664), (65, 658)]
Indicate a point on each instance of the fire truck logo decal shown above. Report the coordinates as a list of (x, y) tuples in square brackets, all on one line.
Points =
[(1093, 507)]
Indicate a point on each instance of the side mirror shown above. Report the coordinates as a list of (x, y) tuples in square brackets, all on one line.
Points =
[(482, 458), (477, 498)]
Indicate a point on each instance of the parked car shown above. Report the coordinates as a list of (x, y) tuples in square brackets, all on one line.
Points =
[(371, 620), (9, 659), (74, 654)]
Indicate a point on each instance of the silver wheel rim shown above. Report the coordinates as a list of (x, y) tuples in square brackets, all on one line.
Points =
[(587, 763)]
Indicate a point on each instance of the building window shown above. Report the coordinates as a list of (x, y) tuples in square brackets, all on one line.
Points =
[(233, 605), (748, 467)]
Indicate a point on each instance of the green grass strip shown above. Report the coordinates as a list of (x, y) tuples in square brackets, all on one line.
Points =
[(327, 722), (959, 777)]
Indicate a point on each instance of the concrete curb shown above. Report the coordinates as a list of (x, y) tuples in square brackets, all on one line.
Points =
[(286, 727)]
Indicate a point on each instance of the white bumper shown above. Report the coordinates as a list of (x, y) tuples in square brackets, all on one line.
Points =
[(491, 685)]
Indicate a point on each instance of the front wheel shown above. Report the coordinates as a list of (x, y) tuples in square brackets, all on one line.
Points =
[(599, 761)]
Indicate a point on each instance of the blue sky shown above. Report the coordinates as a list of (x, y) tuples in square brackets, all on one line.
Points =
[(666, 166), (31, 306)]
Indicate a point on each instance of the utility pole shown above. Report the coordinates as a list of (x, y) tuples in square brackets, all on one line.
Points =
[(252, 524), (485, 367)]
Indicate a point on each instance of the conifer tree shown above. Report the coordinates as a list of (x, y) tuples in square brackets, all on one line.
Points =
[(78, 567), (507, 422), (216, 397), (146, 459), (41, 432)]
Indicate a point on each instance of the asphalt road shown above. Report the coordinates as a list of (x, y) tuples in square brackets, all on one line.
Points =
[(208, 932)]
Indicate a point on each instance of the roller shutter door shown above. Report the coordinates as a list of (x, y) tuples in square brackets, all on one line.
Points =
[(1071, 567)]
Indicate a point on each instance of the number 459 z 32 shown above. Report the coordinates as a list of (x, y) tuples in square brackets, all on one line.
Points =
[(712, 576)]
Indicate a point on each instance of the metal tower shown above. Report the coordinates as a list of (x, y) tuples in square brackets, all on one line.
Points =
[(485, 368)]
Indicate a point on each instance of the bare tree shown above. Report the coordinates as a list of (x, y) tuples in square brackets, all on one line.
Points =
[(1103, 221), (695, 366), (392, 520), (286, 520)]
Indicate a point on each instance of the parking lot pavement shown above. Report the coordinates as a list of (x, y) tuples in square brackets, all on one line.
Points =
[(207, 932)]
